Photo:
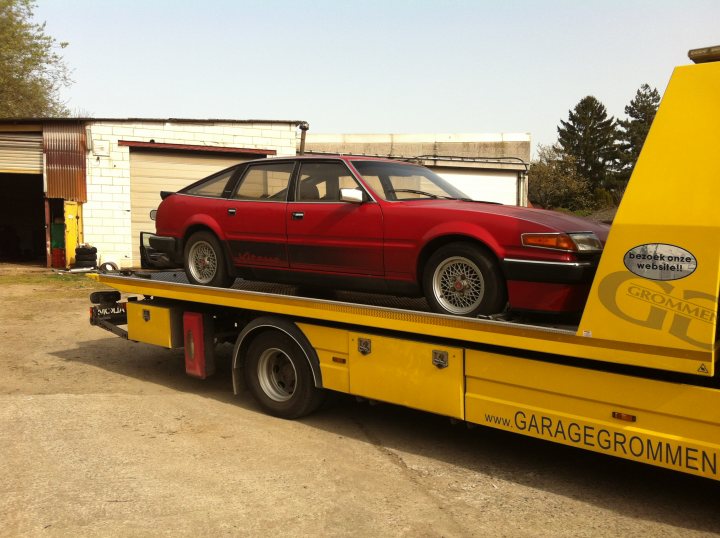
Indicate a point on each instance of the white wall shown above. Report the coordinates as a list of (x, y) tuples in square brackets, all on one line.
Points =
[(107, 222), (485, 185)]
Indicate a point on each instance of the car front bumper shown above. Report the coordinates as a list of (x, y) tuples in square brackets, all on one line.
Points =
[(580, 272), (549, 286)]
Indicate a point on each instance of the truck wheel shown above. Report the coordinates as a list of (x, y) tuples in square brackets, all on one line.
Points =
[(462, 280), (205, 261), (278, 375)]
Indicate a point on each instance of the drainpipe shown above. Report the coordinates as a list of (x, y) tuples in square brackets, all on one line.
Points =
[(303, 126)]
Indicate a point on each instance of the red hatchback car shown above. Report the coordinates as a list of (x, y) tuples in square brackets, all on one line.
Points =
[(381, 226)]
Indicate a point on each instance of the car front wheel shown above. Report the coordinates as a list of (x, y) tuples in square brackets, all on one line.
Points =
[(205, 261), (462, 280)]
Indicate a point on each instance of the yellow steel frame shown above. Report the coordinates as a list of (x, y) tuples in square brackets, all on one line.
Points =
[(671, 199), (511, 335)]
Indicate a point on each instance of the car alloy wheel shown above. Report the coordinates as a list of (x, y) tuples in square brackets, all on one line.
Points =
[(458, 285), (203, 262)]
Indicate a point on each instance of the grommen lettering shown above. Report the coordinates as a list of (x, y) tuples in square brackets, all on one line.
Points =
[(613, 442)]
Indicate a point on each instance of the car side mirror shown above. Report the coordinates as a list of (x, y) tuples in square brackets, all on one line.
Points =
[(153, 214), (354, 196)]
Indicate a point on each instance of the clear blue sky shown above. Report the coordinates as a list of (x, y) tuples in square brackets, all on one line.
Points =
[(392, 66)]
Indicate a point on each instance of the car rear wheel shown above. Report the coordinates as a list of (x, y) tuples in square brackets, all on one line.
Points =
[(205, 261), (462, 280)]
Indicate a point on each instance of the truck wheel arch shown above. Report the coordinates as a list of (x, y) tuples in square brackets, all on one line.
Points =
[(272, 323)]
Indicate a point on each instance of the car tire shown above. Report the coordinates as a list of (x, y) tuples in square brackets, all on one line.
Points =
[(108, 267), (463, 280), (86, 257), (204, 261), (278, 375), (82, 251), (84, 264)]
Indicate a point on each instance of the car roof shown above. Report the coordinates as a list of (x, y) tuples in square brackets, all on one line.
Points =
[(325, 157)]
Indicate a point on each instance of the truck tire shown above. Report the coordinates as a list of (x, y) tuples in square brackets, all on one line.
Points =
[(462, 280), (278, 375), (204, 261)]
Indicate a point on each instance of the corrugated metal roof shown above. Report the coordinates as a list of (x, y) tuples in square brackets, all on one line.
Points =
[(65, 145)]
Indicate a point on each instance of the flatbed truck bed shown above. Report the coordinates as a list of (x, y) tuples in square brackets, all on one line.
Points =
[(634, 378)]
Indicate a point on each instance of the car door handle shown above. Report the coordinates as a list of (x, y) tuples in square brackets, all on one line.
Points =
[(232, 211), (297, 215)]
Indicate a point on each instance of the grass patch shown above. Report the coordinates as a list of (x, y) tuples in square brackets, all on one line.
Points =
[(56, 280)]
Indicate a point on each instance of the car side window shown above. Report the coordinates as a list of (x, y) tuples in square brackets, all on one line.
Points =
[(213, 186), (265, 182), (321, 182)]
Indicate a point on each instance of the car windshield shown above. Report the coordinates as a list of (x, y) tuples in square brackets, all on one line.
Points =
[(397, 181)]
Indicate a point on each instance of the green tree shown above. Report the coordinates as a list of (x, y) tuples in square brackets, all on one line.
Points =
[(589, 138), (31, 69), (633, 131), (554, 182)]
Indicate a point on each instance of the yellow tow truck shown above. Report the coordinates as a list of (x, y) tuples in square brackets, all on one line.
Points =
[(636, 378)]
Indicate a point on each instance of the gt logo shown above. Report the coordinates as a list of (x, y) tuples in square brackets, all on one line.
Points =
[(660, 304)]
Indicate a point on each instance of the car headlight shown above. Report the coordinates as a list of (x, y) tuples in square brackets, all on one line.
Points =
[(574, 242), (586, 242)]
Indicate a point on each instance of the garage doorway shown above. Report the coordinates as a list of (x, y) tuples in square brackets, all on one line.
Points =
[(64, 225), (22, 219)]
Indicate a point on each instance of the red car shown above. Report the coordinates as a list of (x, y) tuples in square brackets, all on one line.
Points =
[(381, 226)]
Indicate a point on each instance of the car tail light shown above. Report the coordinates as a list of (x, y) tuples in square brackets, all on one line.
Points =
[(575, 242)]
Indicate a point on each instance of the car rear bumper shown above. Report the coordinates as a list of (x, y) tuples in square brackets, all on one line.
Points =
[(167, 245), (163, 251)]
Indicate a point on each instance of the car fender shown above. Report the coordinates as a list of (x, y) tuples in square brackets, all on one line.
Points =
[(205, 221), (472, 231)]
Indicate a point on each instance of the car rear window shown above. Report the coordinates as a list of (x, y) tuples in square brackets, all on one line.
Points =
[(212, 186)]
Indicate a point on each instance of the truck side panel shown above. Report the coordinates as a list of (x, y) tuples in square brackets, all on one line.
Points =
[(428, 377), (666, 424)]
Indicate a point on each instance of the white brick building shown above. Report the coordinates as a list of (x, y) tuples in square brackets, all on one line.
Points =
[(113, 170)]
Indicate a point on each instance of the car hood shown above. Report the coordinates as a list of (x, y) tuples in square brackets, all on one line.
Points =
[(561, 222)]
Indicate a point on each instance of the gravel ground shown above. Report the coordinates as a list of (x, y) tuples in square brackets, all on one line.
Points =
[(104, 437)]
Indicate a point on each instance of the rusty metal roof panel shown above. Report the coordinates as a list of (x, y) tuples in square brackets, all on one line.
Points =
[(65, 146)]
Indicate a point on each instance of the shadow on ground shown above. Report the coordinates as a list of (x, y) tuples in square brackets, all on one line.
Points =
[(632, 489)]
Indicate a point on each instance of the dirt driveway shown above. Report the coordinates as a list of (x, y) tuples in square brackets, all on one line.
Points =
[(104, 437)]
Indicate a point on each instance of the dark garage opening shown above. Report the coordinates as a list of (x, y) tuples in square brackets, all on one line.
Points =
[(22, 218)]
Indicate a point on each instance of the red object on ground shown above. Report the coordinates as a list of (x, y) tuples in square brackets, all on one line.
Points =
[(58, 258)]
